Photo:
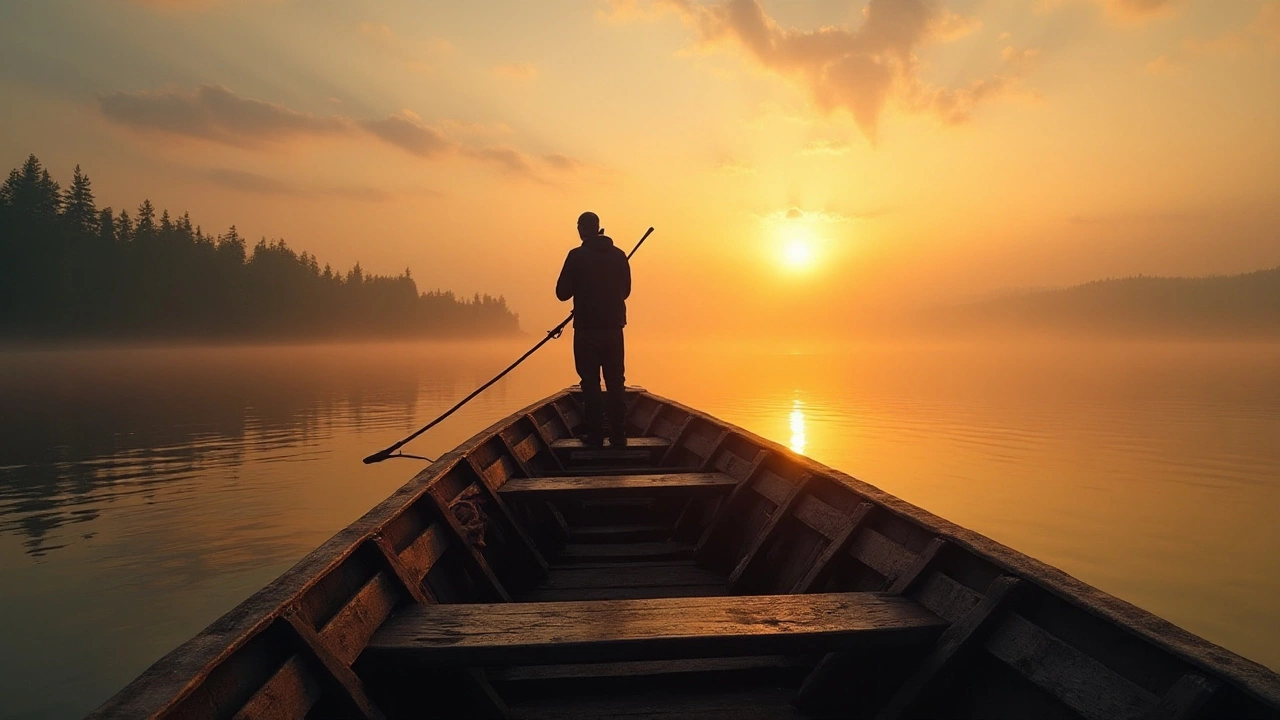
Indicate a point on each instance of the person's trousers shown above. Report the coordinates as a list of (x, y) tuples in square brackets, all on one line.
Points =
[(596, 352)]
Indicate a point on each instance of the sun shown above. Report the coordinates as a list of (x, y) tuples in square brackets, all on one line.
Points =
[(797, 246)]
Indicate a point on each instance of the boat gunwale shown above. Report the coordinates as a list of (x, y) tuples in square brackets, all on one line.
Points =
[(193, 660), (1250, 677), (175, 676)]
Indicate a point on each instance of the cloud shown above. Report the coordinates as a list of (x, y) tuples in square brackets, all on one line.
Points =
[(1164, 65), (795, 214), (826, 147), (859, 71), (415, 56), (406, 131), (1139, 9), (1261, 34), (213, 112), (517, 71), (247, 182)]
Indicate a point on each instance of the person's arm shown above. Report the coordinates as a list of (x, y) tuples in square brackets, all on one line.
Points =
[(565, 285), (626, 278)]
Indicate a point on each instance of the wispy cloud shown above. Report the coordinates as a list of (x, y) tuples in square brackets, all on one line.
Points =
[(859, 70), (517, 71), (406, 131), (215, 114), (418, 56), (826, 147), (248, 182)]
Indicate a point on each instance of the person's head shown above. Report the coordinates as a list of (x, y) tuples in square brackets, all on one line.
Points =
[(589, 225)]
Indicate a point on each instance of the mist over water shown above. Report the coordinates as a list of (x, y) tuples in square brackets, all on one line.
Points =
[(144, 492)]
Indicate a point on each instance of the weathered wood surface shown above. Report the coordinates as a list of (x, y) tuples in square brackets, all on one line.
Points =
[(551, 488), (1215, 678), (616, 630), (575, 552), (959, 636), (1250, 678), (633, 443)]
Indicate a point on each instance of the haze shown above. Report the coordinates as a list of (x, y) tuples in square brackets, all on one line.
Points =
[(806, 164)]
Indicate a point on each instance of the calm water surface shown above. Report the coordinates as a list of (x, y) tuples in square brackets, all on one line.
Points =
[(145, 492)]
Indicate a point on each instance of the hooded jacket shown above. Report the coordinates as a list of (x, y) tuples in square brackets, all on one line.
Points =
[(597, 276)]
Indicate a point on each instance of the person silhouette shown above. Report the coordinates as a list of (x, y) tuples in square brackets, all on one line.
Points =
[(597, 276)]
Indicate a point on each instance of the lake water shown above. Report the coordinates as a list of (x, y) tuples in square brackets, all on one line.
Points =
[(144, 492)]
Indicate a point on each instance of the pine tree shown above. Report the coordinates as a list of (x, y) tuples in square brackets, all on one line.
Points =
[(146, 220), (106, 226), (77, 204), (30, 192), (124, 228)]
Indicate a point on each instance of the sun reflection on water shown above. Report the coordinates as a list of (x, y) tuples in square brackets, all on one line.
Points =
[(797, 426)]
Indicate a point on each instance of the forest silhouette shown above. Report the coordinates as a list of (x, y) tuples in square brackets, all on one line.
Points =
[(69, 270)]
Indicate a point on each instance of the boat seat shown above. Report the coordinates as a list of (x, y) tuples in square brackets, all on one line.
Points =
[(577, 488), (633, 443), (549, 633)]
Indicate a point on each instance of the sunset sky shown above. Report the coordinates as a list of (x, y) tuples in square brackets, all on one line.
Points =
[(814, 162)]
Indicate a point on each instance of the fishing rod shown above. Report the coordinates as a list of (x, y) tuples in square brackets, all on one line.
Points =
[(552, 334)]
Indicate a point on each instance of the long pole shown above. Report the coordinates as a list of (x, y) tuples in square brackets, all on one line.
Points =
[(552, 334)]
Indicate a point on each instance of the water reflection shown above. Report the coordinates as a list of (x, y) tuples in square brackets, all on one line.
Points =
[(797, 426), (168, 485)]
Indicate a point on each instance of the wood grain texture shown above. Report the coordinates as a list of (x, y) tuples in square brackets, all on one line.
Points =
[(616, 630), (958, 637), (550, 488), (650, 442), (289, 693), (341, 673), (1081, 683)]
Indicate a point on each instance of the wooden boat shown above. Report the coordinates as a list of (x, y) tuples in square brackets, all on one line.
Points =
[(702, 571)]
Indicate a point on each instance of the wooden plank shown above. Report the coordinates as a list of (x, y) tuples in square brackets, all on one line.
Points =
[(1185, 699), (647, 668), (708, 462), (1081, 683), (723, 512), (772, 486), (880, 553), (909, 577), (838, 545), (828, 521), (526, 449), (633, 443), (653, 417), (574, 552), (341, 673), (289, 693), (545, 438), (347, 632), (582, 486), (631, 593), (945, 597), (489, 488), (399, 571), (425, 550), (591, 534), (770, 525), (564, 417), (969, 630), (675, 441), (618, 630), (470, 554), (630, 575), (520, 462)]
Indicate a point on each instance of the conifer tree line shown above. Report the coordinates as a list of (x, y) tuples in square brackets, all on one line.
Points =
[(69, 269)]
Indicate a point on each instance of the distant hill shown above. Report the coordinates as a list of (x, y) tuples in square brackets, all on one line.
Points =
[(1236, 306)]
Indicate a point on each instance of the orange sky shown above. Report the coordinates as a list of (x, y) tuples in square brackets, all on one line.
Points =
[(807, 163)]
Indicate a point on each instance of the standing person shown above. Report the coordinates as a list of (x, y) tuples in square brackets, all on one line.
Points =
[(597, 276)]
